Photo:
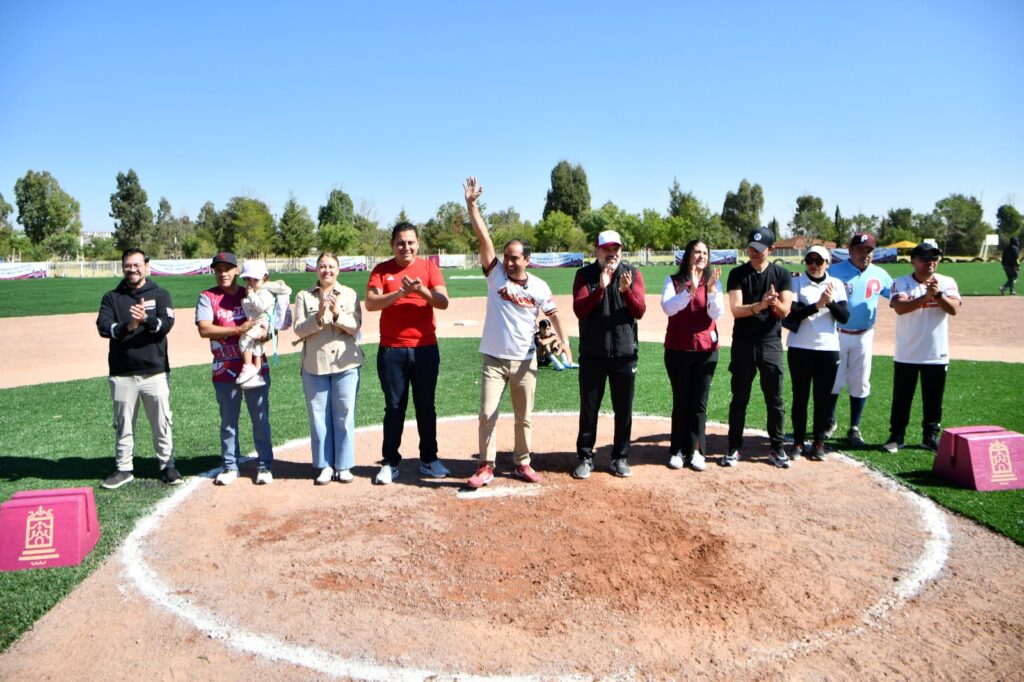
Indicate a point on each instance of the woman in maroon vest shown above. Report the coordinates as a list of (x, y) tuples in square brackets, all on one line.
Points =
[(692, 300)]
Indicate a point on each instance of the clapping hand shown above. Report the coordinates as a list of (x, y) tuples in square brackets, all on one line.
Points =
[(625, 281), (716, 272), (410, 285), (606, 277), (932, 288), (138, 313), (826, 296)]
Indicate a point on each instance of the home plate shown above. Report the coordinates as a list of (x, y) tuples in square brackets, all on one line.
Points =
[(502, 491)]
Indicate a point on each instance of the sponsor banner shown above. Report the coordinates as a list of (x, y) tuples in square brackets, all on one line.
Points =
[(717, 257), (345, 263), (882, 254), (24, 270), (556, 260), (449, 260), (194, 266)]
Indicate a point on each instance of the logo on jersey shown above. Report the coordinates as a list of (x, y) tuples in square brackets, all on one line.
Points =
[(872, 288), (521, 300)]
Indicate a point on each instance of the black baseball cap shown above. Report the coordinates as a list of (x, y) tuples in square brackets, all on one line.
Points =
[(224, 257), (925, 250), (761, 239)]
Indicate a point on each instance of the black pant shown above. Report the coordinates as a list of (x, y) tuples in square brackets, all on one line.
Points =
[(621, 376), (807, 367), (749, 358), (690, 373), (1011, 278), (397, 369), (904, 384)]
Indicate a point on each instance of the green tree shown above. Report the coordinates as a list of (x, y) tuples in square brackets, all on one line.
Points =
[(101, 248), (44, 209), (373, 241), (896, 226), (741, 211), (557, 232), (62, 245), (689, 218), (133, 218), (841, 229), (205, 233), (1009, 223), (861, 223), (340, 240), (170, 233), (448, 231), (6, 229), (774, 227), (294, 233), (569, 192), (653, 231), (337, 211), (965, 229), (810, 220), (247, 227)]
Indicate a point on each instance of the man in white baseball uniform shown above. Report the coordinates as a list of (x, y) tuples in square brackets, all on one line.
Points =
[(865, 284)]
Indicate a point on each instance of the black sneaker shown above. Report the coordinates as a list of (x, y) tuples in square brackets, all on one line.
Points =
[(170, 476), (818, 452), (930, 444), (584, 468), (893, 445), (117, 479), (620, 468), (854, 437), (779, 458)]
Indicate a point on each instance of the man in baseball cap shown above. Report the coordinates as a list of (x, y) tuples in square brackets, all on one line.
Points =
[(761, 239), (865, 285), (925, 250), (608, 238), (224, 257)]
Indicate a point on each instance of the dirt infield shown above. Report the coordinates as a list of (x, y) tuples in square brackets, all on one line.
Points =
[(987, 328), (821, 571)]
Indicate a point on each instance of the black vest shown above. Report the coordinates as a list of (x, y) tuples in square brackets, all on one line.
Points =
[(609, 331)]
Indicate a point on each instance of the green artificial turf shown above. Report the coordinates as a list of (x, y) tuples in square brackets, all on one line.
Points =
[(19, 298), (60, 435)]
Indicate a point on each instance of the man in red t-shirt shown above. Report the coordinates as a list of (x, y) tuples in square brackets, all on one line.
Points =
[(406, 289)]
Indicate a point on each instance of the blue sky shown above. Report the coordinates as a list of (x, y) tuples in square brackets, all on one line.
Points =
[(869, 105)]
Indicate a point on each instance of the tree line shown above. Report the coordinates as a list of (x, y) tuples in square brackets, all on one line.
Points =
[(51, 223)]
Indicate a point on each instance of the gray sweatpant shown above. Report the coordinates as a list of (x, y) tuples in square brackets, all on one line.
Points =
[(155, 393)]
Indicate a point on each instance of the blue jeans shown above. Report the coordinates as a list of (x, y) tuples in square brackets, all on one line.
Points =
[(229, 398), (331, 402), (397, 368)]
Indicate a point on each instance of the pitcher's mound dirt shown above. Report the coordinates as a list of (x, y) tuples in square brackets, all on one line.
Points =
[(747, 572)]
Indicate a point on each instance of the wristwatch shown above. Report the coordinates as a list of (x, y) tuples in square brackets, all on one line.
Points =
[(938, 294)]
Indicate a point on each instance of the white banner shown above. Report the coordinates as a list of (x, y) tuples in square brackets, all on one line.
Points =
[(717, 257), (556, 260), (882, 254), (345, 263), (24, 270), (195, 266)]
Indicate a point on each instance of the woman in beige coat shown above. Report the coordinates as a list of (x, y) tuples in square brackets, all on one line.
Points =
[(327, 319)]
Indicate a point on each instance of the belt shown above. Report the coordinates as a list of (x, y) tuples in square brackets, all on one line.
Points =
[(852, 332)]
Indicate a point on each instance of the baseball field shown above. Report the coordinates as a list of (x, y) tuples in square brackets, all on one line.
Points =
[(864, 565)]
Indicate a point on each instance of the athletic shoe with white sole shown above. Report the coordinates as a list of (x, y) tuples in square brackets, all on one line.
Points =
[(247, 373), (676, 461), (343, 476), (526, 473), (263, 476), (779, 458), (325, 476), (434, 470), (583, 469), (620, 468), (854, 437), (830, 431), (117, 479), (170, 476), (483, 476), (730, 459), (818, 452), (796, 451), (256, 382), (226, 477), (893, 445), (697, 461), (386, 475)]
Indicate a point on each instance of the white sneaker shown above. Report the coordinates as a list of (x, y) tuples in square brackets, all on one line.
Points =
[(247, 373), (226, 477), (325, 476), (263, 476), (434, 470), (344, 476), (386, 475), (697, 462), (256, 382), (675, 461)]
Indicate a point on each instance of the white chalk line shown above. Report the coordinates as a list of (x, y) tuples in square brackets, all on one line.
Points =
[(926, 569)]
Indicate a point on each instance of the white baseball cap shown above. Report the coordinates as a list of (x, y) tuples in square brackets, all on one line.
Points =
[(254, 269), (821, 251), (609, 238)]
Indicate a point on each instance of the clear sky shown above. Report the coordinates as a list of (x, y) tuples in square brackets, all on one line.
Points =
[(869, 105)]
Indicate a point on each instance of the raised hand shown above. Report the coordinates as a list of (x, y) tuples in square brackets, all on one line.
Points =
[(826, 296), (473, 189), (716, 272), (606, 278), (932, 288)]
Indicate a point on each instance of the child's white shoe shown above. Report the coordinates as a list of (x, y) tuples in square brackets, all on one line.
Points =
[(247, 373), (256, 382)]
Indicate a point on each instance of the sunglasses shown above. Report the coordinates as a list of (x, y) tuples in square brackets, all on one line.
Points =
[(928, 259), (814, 260)]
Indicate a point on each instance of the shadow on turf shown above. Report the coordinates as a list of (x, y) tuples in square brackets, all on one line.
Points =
[(14, 468)]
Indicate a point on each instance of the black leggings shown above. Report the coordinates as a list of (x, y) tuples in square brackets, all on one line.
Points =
[(690, 373), (807, 368)]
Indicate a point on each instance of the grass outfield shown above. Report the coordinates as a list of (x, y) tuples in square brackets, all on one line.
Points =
[(59, 435), (27, 297)]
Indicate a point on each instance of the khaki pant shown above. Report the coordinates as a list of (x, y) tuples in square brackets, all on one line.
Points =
[(522, 376), (155, 393)]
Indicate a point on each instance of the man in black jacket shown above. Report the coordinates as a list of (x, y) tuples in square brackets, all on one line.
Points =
[(608, 299), (1011, 266), (136, 317)]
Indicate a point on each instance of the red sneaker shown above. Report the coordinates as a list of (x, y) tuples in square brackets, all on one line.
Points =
[(526, 472), (483, 476)]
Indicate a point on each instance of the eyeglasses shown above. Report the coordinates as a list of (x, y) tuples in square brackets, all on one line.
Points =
[(928, 259), (814, 260), (133, 266)]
